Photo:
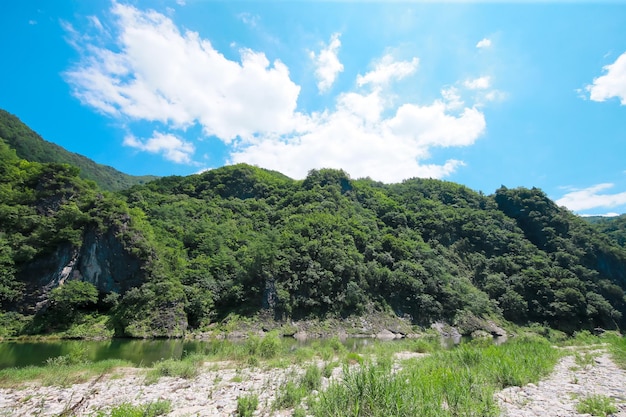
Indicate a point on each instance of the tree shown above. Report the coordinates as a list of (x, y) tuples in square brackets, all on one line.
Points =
[(73, 296)]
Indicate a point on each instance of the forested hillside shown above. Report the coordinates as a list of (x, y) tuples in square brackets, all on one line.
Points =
[(180, 253), (613, 227), (31, 147)]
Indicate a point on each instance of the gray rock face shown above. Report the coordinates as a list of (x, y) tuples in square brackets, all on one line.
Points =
[(101, 260), (105, 263)]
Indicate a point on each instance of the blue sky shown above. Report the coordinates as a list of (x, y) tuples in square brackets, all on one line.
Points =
[(480, 93)]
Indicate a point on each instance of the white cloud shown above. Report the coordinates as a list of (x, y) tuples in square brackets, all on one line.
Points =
[(327, 65), (483, 43), (181, 2), (601, 215), (32, 22), (171, 147), (357, 138), (591, 198), (388, 69), (157, 73), (612, 84), (154, 72), (452, 98), (481, 83)]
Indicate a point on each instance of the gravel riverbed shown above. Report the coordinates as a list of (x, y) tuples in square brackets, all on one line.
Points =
[(215, 390), (558, 395)]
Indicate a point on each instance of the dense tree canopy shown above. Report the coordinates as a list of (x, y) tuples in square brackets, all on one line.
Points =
[(244, 240), (30, 146)]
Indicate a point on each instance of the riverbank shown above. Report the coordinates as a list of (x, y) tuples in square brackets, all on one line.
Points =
[(585, 372), (376, 325), (281, 383), (267, 377)]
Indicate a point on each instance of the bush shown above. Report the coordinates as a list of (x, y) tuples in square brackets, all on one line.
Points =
[(246, 405), (186, 368)]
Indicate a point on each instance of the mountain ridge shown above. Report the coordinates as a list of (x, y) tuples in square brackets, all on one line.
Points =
[(183, 253), (32, 147)]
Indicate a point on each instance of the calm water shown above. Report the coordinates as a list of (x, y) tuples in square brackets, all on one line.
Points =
[(139, 352)]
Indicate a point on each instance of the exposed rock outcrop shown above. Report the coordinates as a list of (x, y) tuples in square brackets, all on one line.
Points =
[(101, 260)]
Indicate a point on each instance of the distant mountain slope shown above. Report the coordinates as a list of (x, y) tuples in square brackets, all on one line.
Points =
[(182, 253), (613, 227), (32, 147)]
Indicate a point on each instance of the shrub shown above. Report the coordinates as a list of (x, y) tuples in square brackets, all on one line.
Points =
[(246, 405)]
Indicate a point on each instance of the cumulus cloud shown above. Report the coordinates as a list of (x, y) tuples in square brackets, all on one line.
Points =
[(386, 70), (481, 83), (146, 69), (483, 43), (154, 72), (591, 198), (356, 137), (452, 98), (612, 83), (327, 65), (172, 148)]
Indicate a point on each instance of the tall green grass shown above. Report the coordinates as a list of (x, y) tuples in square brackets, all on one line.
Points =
[(154, 409), (460, 382), (59, 373), (185, 368), (597, 405), (618, 350), (291, 393), (247, 405)]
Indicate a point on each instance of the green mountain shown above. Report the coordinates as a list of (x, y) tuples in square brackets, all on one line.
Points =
[(613, 227), (31, 147), (181, 253)]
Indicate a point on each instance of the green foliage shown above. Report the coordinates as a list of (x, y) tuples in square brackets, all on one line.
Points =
[(597, 405), (289, 395), (73, 295), (618, 350), (69, 370), (312, 378), (247, 405), (241, 240), (186, 368), (31, 147), (267, 347), (613, 227), (461, 381), (153, 409)]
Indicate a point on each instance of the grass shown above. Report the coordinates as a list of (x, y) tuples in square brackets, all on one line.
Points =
[(157, 408), (59, 374), (596, 405), (584, 360), (186, 368), (448, 383), (312, 378), (247, 405), (291, 393), (618, 350)]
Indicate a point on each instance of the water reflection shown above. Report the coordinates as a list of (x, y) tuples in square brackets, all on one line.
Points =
[(144, 352), (139, 352)]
